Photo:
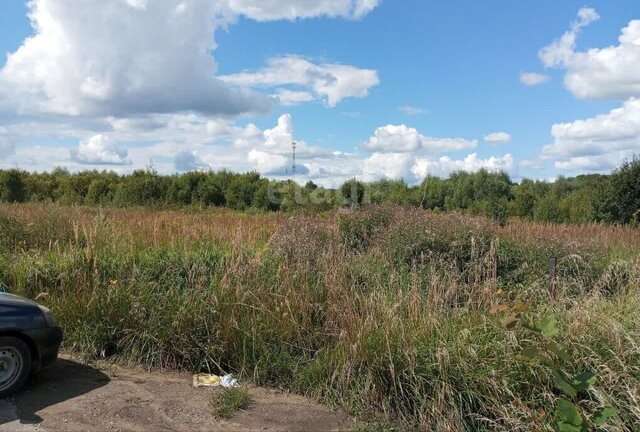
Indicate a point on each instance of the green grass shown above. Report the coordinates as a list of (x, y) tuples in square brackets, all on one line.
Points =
[(226, 404), (385, 312)]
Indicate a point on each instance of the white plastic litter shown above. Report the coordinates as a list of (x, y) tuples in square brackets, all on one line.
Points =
[(209, 380), (228, 381)]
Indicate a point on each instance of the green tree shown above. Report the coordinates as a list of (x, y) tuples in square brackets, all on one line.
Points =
[(353, 192), (12, 188), (210, 192), (240, 191), (434, 192), (626, 190), (524, 201), (143, 187), (101, 191)]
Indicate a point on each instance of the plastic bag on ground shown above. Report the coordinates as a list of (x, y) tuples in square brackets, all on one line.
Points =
[(210, 380)]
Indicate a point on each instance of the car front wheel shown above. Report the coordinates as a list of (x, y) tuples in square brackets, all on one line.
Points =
[(15, 364)]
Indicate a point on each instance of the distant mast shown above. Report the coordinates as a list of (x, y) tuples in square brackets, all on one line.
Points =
[(294, 145)]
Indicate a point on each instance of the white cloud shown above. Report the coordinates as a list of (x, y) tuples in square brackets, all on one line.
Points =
[(411, 110), (249, 136), (188, 142), (128, 57), (560, 51), (288, 97), (399, 151), (601, 163), (100, 150), (598, 73), (279, 139), (607, 138), (388, 165), (392, 138), (281, 136), (141, 72), (401, 138), (444, 166), (96, 58), (601, 142), (267, 10), (533, 79), (328, 81), (498, 138), (267, 163), (273, 154)]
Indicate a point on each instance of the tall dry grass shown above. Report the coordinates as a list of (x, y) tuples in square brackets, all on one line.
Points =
[(387, 312)]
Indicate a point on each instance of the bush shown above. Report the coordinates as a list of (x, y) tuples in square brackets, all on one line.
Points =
[(626, 191), (12, 188)]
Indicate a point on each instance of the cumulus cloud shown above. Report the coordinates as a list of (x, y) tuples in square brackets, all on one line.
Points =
[(498, 138), (444, 166), (388, 165), (249, 136), (267, 163), (561, 51), (119, 58), (399, 151), (100, 150), (142, 71), (607, 138), (281, 136), (127, 57), (598, 73), (401, 138), (531, 79), (392, 138), (279, 139), (601, 142), (327, 81), (272, 155)]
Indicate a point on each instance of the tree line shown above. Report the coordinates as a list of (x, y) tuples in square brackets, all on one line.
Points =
[(612, 198)]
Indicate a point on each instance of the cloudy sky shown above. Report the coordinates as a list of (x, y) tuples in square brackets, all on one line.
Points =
[(368, 88)]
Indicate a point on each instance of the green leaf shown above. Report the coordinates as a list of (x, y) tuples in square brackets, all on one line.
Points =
[(528, 354), (548, 326), (568, 413), (559, 351), (584, 380), (561, 383), (604, 414), (566, 427)]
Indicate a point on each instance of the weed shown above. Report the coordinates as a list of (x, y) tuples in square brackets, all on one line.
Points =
[(228, 402), (384, 310)]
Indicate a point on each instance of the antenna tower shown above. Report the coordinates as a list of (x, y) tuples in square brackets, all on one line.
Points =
[(294, 145)]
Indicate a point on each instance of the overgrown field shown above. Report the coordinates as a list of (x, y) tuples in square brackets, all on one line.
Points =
[(404, 317)]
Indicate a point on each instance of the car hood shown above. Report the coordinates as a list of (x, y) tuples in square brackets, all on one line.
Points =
[(14, 300)]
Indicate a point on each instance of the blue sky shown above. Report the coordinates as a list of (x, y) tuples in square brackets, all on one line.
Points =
[(443, 75)]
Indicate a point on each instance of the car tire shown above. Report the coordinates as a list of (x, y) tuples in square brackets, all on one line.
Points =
[(15, 364)]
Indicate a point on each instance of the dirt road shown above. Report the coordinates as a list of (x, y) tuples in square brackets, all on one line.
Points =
[(75, 397)]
